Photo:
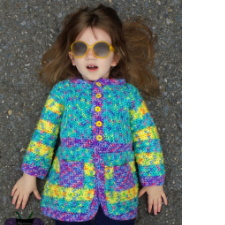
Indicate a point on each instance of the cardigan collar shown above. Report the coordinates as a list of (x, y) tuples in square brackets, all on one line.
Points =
[(103, 81)]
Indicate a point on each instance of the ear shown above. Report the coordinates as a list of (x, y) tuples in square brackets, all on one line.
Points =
[(72, 58), (115, 60)]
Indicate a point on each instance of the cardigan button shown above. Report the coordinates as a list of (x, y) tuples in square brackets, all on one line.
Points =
[(98, 95), (99, 137), (97, 109), (99, 84), (99, 123)]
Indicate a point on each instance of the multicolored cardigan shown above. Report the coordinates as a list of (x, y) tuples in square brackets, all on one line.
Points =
[(104, 128)]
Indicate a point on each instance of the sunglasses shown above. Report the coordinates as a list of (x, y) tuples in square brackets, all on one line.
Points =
[(100, 49)]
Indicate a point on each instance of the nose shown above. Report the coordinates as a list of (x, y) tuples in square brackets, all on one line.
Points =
[(90, 54)]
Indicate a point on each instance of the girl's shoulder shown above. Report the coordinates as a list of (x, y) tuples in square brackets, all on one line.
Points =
[(132, 89), (61, 85), (129, 86), (59, 90), (134, 94)]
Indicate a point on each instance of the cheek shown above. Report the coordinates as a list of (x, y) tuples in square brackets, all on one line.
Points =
[(108, 61), (78, 62), (80, 67), (106, 64)]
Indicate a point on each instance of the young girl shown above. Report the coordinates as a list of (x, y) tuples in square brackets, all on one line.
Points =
[(95, 67)]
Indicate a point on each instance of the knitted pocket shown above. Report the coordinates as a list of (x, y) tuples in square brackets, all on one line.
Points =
[(122, 177), (71, 173)]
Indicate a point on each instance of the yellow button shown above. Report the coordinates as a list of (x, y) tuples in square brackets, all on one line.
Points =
[(99, 137), (99, 123), (98, 95), (97, 109), (99, 84)]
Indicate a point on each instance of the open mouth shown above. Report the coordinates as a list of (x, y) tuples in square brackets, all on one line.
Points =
[(92, 68)]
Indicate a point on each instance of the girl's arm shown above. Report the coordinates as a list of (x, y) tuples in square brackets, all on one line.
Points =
[(38, 157), (147, 148)]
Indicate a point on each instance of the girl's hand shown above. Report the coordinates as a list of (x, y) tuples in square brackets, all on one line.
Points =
[(155, 194), (22, 189)]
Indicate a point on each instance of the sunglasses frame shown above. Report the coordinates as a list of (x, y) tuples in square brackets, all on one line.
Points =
[(91, 47)]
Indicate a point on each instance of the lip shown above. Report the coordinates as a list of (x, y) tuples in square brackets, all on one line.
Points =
[(92, 70)]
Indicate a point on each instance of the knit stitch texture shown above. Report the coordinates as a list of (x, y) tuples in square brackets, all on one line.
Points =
[(105, 127)]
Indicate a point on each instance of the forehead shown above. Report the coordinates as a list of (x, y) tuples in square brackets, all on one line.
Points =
[(94, 34)]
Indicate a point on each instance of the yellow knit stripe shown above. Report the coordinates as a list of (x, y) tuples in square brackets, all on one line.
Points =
[(55, 164), (108, 172), (141, 111), (54, 106), (47, 127), (149, 158), (69, 193), (40, 149), (132, 166), (115, 196), (146, 133), (89, 169)]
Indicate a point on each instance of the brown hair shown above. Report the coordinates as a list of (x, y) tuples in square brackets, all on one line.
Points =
[(132, 41)]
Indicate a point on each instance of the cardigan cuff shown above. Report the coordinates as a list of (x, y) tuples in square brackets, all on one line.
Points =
[(34, 170), (152, 181)]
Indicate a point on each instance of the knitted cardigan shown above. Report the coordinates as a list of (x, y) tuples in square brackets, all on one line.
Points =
[(104, 127)]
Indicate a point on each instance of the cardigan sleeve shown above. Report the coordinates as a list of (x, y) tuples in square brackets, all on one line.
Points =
[(38, 156), (146, 142)]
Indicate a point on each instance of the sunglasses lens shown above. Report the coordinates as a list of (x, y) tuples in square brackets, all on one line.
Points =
[(101, 49), (79, 48)]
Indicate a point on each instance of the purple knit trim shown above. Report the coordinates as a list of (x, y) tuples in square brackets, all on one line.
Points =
[(34, 170), (102, 146), (103, 81), (151, 181), (82, 217)]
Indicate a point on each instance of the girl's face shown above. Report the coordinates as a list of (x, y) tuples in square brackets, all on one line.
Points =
[(90, 36)]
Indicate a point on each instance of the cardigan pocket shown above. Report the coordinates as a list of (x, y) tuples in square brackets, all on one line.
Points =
[(123, 177), (71, 173)]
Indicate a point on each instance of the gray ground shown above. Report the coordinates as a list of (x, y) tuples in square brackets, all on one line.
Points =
[(27, 29)]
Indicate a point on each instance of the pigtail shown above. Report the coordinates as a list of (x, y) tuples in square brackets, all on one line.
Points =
[(140, 59)]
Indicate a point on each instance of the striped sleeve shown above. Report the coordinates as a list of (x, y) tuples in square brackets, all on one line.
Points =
[(38, 156), (146, 142)]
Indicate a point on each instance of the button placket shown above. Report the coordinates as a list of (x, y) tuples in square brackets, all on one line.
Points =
[(97, 119), (97, 132)]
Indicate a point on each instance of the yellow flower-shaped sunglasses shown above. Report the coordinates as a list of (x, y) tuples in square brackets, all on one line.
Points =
[(100, 49)]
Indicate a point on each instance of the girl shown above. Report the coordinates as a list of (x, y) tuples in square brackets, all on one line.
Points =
[(95, 67)]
